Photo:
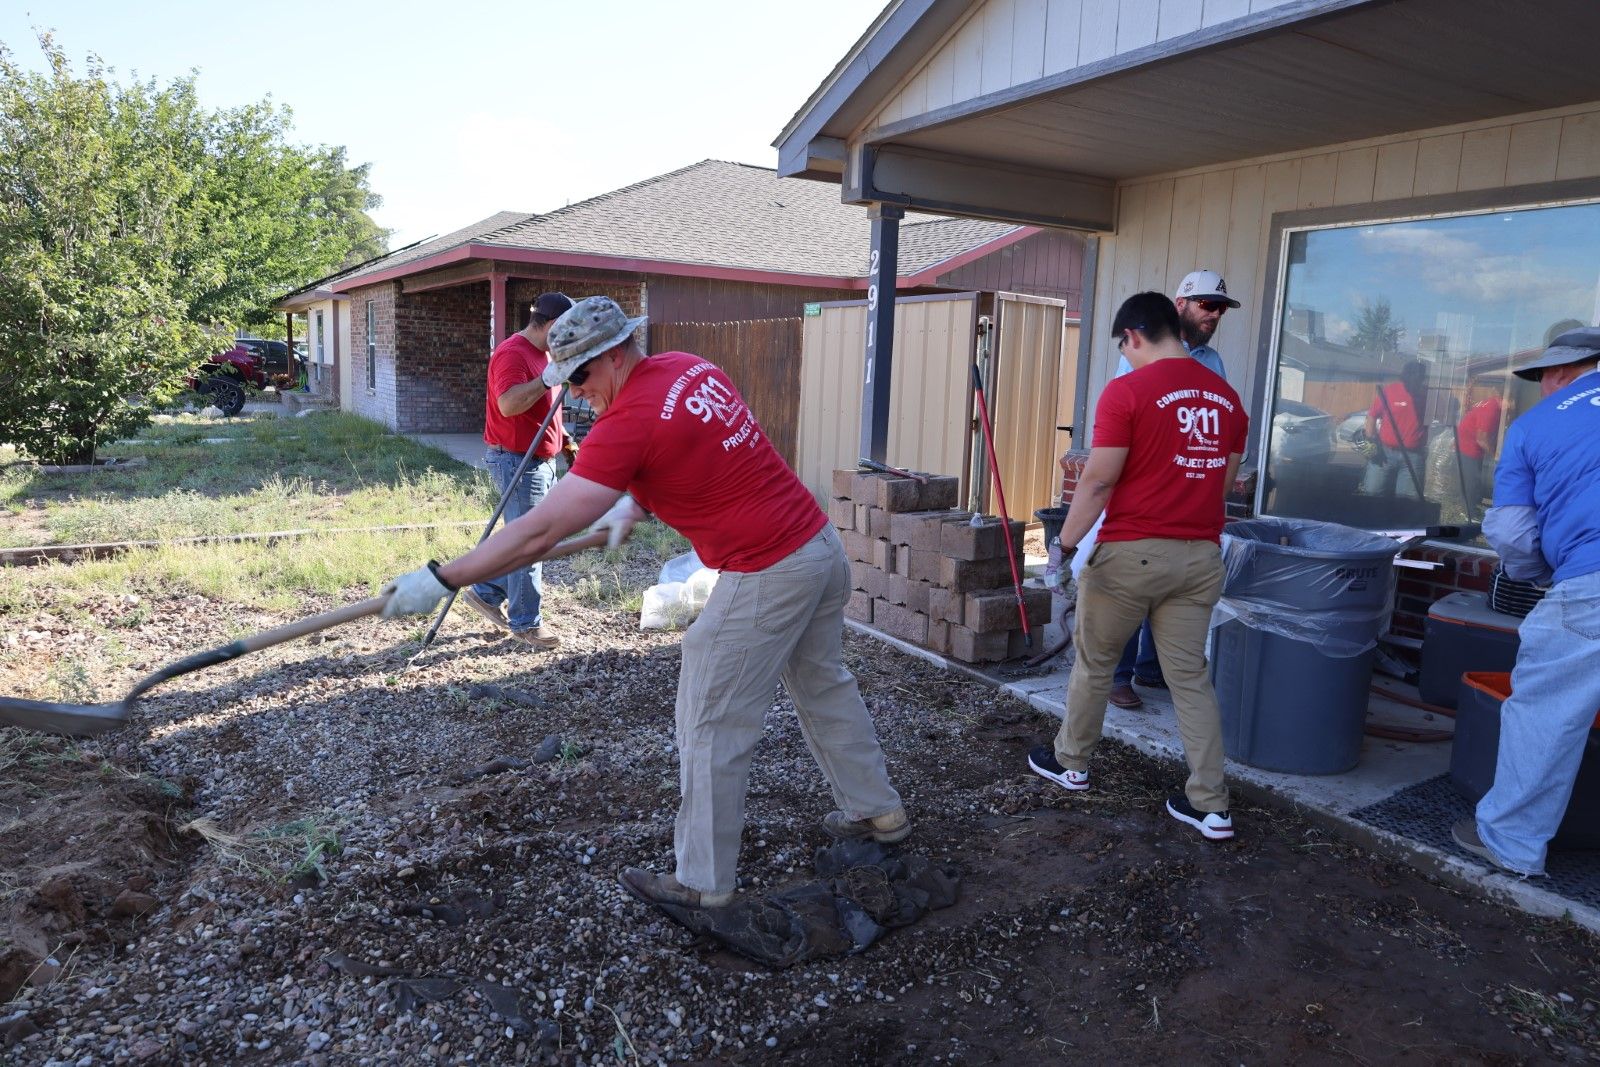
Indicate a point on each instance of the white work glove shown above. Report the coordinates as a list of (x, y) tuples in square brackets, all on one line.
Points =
[(619, 520), (416, 593)]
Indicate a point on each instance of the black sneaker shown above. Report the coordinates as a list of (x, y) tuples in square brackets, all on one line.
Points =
[(1043, 761), (1216, 825)]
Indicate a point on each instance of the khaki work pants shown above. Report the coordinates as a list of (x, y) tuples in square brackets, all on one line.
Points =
[(783, 622), (1175, 584)]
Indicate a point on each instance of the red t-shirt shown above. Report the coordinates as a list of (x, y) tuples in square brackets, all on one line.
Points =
[(1482, 418), (1407, 418), (514, 361), (1179, 422), (679, 437)]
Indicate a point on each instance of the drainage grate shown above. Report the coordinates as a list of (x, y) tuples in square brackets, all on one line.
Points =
[(1425, 812)]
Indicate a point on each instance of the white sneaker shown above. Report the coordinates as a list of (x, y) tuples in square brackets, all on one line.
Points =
[(1043, 762), (1215, 825)]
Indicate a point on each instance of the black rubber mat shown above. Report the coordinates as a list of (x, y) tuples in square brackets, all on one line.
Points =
[(1425, 812)]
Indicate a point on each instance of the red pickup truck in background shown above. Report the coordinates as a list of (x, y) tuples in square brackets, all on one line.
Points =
[(222, 378)]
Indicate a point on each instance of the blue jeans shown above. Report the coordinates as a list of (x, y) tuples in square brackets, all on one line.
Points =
[(522, 590), (1543, 727), (1138, 658)]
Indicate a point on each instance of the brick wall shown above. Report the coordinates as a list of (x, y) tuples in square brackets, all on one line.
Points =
[(376, 403), (442, 359), (1417, 589)]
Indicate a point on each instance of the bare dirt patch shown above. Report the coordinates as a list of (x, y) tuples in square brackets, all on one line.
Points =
[(405, 875)]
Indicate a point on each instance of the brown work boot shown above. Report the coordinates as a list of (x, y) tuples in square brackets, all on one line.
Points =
[(886, 829), (538, 637), (495, 613), (1123, 696), (665, 889)]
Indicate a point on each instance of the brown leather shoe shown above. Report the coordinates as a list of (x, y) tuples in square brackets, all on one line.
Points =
[(538, 637), (1123, 696), (665, 889), (886, 828), (495, 614)]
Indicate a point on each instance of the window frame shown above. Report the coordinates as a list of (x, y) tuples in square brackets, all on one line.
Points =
[(372, 347), (1569, 193)]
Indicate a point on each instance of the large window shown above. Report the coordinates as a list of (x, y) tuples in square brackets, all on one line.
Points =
[(1394, 350)]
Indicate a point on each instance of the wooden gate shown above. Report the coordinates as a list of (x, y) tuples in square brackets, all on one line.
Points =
[(761, 356), (930, 396), (1033, 369)]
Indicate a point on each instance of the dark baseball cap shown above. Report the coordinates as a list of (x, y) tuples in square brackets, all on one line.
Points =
[(551, 306)]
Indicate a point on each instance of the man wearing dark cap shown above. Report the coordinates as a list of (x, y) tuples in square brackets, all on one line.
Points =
[(1545, 523), (674, 433), (516, 403)]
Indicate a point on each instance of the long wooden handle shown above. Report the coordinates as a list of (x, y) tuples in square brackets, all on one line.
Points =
[(327, 620), (575, 545)]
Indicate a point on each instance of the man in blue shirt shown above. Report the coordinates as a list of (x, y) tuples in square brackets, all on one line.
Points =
[(1545, 524), (1201, 299)]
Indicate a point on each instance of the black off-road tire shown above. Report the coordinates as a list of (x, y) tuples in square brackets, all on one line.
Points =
[(225, 393)]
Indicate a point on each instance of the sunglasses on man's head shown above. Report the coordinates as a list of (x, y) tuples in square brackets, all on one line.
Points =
[(1215, 306)]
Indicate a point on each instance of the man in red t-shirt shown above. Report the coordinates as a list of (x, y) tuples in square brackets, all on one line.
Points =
[(674, 432), (1395, 421), (515, 403), (1475, 435), (1167, 443)]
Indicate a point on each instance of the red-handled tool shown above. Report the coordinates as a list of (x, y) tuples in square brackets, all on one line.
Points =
[(1000, 497)]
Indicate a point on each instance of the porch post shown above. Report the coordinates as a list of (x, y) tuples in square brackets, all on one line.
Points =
[(499, 313), (880, 330), (288, 359)]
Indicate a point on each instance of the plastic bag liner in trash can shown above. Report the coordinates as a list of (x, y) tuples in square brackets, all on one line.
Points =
[(1295, 635), (1329, 585)]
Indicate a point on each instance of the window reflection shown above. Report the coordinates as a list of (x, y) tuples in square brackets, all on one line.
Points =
[(1393, 388)]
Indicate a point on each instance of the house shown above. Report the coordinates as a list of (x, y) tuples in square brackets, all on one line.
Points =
[(725, 259), (1339, 161)]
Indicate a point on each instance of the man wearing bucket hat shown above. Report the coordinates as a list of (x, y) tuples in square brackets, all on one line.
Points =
[(1545, 523), (1201, 299), (674, 434)]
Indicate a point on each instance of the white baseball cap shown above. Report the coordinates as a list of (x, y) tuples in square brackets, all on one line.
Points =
[(1204, 285)]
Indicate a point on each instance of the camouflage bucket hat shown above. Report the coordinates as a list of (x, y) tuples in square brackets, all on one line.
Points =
[(591, 327)]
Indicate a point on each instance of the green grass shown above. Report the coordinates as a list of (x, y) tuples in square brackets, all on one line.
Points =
[(330, 470)]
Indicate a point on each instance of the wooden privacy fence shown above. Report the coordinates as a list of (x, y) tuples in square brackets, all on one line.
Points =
[(762, 356)]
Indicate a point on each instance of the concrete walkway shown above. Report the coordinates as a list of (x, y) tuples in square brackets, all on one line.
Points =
[(1385, 768), (463, 447)]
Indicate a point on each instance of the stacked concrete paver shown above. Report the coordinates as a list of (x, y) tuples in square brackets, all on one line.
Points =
[(922, 572)]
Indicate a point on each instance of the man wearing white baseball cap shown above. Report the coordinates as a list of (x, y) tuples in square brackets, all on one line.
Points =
[(675, 434), (1201, 299)]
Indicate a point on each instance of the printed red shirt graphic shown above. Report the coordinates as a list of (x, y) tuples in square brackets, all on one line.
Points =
[(1402, 429), (514, 361), (1483, 418), (1180, 423), (680, 438)]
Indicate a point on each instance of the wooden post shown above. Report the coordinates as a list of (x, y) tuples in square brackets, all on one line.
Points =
[(880, 330)]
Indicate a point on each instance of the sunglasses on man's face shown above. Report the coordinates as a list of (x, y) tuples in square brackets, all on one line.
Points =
[(1214, 307), (581, 375), (1123, 339)]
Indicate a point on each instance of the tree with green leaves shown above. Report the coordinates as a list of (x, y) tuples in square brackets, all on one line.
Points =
[(1376, 330), (138, 229)]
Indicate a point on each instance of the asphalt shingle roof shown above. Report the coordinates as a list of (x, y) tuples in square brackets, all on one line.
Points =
[(729, 215)]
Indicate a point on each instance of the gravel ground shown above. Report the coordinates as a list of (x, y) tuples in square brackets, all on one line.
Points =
[(320, 855)]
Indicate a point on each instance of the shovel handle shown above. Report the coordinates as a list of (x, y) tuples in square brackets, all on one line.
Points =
[(327, 620)]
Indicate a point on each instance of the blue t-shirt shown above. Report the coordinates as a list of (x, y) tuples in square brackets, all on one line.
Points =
[(1551, 463), (1205, 355)]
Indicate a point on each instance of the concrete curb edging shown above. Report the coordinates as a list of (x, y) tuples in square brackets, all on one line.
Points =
[(1525, 894)]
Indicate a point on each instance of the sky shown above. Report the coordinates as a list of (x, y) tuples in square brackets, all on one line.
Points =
[(467, 107)]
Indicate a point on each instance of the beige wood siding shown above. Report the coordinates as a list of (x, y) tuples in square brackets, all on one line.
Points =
[(1004, 43), (1221, 217), (930, 395)]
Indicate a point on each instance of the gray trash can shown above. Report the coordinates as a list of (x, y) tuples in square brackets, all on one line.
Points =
[(1294, 640)]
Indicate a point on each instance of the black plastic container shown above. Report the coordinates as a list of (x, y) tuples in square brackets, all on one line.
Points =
[(1477, 745)]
